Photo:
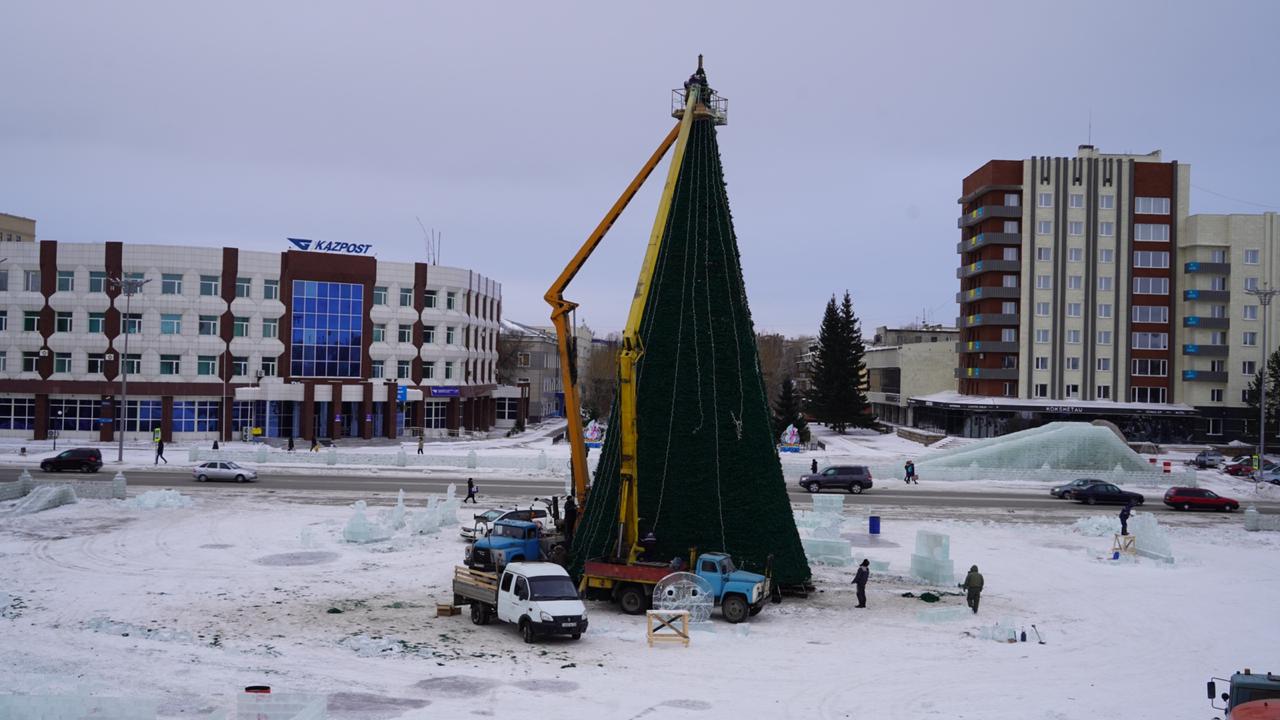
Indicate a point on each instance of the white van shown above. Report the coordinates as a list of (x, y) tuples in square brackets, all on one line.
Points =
[(538, 597)]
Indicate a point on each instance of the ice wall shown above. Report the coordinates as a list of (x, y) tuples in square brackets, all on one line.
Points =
[(1073, 446)]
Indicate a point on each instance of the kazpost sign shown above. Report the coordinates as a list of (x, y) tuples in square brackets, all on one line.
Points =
[(332, 246)]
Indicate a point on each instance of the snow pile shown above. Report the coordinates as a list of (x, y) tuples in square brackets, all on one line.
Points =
[(43, 497), (73, 707), (371, 646), (1097, 525), (155, 499), (113, 627)]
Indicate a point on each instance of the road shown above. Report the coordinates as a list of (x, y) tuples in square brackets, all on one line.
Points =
[(922, 500)]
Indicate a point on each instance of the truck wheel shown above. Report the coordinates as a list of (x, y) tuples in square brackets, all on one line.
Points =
[(735, 608), (479, 613), (756, 610), (526, 631), (632, 599), (855, 489)]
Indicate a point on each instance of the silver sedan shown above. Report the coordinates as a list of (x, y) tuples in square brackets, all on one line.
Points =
[(223, 471)]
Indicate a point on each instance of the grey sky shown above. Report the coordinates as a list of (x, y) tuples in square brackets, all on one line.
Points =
[(511, 127)]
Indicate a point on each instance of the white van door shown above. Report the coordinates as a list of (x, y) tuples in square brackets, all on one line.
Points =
[(506, 597)]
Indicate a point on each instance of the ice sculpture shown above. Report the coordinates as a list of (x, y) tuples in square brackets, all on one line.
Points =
[(153, 499), (685, 591), (593, 434), (262, 453), (394, 520), (1074, 446), (401, 458), (439, 513), (823, 543), (360, 530), (1002, 631), (942, 614), (282, 706), (43, 497), (931, 562), (1254, 520), (1152, 541), (60, 707), (331, 457)]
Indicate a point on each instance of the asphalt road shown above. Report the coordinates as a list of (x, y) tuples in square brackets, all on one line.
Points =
[(494, 490)]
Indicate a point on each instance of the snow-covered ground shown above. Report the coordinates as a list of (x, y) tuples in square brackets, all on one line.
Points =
[(191, 604)]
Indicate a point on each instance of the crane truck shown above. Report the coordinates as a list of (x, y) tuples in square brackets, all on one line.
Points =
[(622, 574), (1249, 696)]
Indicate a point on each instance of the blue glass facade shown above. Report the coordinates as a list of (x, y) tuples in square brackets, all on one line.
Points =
[(327, 321)]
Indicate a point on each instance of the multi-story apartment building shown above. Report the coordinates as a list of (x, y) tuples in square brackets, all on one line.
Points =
[(902, 362), (297, 343), (17, 229)]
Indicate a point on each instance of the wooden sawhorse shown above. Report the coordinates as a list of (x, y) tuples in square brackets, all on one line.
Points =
[(667, 626)]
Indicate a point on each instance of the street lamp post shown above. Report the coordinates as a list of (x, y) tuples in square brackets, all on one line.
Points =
[(128, 286), (1264, 295), (57, 425)]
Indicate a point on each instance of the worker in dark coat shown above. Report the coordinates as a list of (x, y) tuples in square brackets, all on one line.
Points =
[(860, 581), (570, 518), (973, 586), (471, 492), (813, 466), (1124, 517)]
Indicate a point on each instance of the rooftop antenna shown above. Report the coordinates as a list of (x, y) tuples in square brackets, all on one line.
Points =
[(432, 242), (1090, 135)]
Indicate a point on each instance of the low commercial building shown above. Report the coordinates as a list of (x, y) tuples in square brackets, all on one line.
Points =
[(902, 362)]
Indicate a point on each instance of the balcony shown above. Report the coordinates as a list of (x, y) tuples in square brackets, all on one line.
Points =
[(1208, 323), (1207, 268), (982, 266), (987, 373), (986, 320), (987, 239), (1207, 295), (1205, 350), (1204, 376), (987, 346), (983, 293), (986, 213)]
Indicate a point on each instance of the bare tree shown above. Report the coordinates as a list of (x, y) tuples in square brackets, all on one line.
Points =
[(599, 379)]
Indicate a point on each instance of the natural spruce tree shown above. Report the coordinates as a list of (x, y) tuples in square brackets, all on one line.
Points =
[(787, 411), (858, 407), (1273, 389), (837, 398)]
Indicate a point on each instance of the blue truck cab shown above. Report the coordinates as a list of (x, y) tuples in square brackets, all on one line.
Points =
[(509, 541), (738, 592)]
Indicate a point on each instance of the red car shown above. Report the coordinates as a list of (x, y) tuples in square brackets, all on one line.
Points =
[(1244, 469), (1186, 498)]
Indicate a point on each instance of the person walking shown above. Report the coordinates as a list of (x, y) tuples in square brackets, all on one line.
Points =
[(421, 439), (813, 466), (291, 443), (315, 444), (471, 492), (570, 519), (909, 473), (973, 586), (1124, 517), (160, 452), (860, 581)]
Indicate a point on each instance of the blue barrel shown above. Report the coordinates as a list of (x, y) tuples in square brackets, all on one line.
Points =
[(875, 524)]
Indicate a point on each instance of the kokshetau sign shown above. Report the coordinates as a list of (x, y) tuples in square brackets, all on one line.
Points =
[(331, 246)]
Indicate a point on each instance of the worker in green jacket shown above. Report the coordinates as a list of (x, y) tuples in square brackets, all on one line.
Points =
[(973, 586)]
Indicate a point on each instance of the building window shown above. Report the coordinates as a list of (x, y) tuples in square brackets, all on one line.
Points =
[(1150, 286), (1104, 364), (1150, 314), (169, 364), (1252, 256), (429, 298), (1009, 254), (62, 362), (1008, 335), (1042, 309), (451, 301), (1150, 341), (1251, 283), (404, 333), (31, 321), (1106, 255), (449, 335), (207, 365), (509, 408), (1075, 228), (270, 289), (243, 287), (239, 366), (428, 334), (1104, 283), (1075, 282), (1042, 390), (1011, 227), (1075, 255), (208, 324), (1042, 282), (406, 297), (270, 327), (29, 361), (1073, 392), (328, 319), (268, 367), (171, 284), (1151, 206), (1144, 367), (1214, 426), (210, 285), (97, 363), (1044, 227), (1044, 254), (1010, 200), (1073, 363), (448, 370), (66, 281), (1103, 392), (1151, 233), (1215, 395), (1250, 312), (97, 281), (1009, 281), (1044, 199), (1218, 366), (132, 323), (1073, 337), (522, 359), (1147, 394), (62, 322), (1150, 259), (1217, 283), (195, 415), (170, 324), (428, 370), (1218, 337), (379, 332), (133, 365), (31, 281), (1074, 309), (377, 369), (1106, 202), (96, 322), (403, 368), (1106, 228), (1042, 336), (1042, 362), (240, 326), (1076, 200), (379, 295), (1104, 337), (1009, 308), (1249, 339), (4, 323)]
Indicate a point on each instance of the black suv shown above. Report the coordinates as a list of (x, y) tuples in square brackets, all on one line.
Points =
[(854, 478), (82, 459)]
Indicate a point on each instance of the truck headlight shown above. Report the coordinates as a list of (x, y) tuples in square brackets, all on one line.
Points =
[(756, 592), (545, 616)]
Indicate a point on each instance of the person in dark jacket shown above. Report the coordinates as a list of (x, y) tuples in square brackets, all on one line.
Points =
[(1124, 517), (160, 452), (813, 466), (860, 581), (973, 586), (570, 518), (909, 473), (471, 492), (290, 443)]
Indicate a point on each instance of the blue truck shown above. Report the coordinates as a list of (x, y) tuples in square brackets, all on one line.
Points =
[(740, 594), (512, 541)]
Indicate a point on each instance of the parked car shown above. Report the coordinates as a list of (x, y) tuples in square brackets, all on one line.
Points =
[(1206, 459), (1272, 476), (479, 527), (481, 523), (1188, 498), (854, 478), (1105, 493), (82, 459), (1065, 491), (223, 471), (1244, 468)]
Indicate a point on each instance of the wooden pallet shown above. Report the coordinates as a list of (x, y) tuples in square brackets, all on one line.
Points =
[(667, 626), (447, 609)]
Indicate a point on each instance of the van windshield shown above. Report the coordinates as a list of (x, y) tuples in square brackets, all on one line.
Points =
[(552, 587)]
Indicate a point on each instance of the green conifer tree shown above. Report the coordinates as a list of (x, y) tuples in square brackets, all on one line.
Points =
[(787, 411)]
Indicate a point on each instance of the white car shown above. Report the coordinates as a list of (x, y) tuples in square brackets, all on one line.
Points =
[(479, 527), (223, 471)]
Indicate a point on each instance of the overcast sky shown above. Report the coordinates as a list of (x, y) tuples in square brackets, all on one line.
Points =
[(512, 127)]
